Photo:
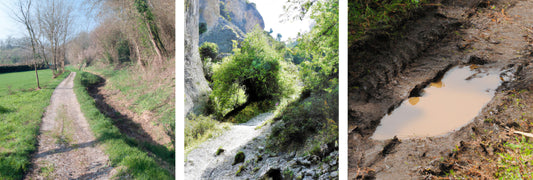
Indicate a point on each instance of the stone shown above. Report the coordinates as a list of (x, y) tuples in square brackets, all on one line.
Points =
[(196, 87)]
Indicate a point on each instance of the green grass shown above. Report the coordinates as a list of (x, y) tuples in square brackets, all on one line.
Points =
[(123, 151), (516, 162), (21, 110), (365, 16), (200, 128), (154, 95)]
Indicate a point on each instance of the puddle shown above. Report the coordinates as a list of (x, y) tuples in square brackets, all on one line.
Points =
[(444, 106)]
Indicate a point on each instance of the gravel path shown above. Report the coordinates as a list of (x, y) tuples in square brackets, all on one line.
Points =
[(67, 148), (203, 157)]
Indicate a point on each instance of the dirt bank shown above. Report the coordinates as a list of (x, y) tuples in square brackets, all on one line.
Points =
[(67, 148), (387, 70)]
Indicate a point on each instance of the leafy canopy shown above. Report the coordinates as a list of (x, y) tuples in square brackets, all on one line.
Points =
[(256, 69)]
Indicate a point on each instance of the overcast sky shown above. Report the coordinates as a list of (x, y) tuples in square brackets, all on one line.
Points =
[(271, 11)]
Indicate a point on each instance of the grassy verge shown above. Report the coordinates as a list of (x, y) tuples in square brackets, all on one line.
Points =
[(143, 93), (21, 110), (122, 151), (200, 128)]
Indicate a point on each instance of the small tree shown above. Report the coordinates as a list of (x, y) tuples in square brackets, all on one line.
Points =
[(208, 50), (257, 69)]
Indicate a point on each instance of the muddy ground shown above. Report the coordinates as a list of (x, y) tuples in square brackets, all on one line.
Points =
[(387, 69)]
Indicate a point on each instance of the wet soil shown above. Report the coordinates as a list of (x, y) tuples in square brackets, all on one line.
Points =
[(67, 148), (444, 106), (387, 70)]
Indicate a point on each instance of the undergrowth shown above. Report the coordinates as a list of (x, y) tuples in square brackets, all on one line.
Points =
[(366, 16), (122, 151), (21, 111), (199, 128), (516, 162)]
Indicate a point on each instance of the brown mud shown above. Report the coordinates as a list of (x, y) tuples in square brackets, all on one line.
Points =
[(385, 70)]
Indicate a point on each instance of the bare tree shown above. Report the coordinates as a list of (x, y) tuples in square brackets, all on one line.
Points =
[(55, 19), (22, 14)]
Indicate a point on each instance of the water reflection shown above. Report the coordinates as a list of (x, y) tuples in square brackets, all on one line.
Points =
[(442, 108)]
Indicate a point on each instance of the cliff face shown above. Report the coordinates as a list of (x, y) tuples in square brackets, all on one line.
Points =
[(228, 20), (196, 87)]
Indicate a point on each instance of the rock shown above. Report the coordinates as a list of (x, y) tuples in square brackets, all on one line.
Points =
[(228, 20), (334, 175), (272, 173), (196, 87), (302, 161), (239, 158), (476, 60)]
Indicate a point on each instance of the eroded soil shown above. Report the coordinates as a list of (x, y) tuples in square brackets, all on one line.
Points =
[(490, 34), (67, 148)]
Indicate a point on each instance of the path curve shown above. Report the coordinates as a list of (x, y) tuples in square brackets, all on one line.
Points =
[(67, 148), (203, 157)]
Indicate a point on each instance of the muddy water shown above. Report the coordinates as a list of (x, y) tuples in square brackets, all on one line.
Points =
[(444, 106)]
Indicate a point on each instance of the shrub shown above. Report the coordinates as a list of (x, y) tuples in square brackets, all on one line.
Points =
[(208, 50), (202, 28), (256, 69), (317, 114)]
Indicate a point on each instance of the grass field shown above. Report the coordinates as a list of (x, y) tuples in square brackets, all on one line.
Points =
[(123, 151), (21, 110)]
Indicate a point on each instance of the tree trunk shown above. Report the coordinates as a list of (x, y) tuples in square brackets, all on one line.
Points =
[(36, 75)]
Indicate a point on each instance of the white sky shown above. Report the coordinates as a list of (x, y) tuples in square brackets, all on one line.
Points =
[(10, 27), (271, 11)]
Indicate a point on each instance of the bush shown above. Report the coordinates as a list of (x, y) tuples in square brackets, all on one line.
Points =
[(208, 50), (255, 68), (317, 114), (202, 28)]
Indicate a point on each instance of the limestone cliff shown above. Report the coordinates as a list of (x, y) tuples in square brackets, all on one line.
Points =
[(196, 87), (228, 20)]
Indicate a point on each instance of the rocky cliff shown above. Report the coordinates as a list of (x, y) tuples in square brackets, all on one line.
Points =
[(196, 87), (228, 20)]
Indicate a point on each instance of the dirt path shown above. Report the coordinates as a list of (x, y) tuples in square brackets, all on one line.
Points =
[(492, 34), (67, 148), (203, 157)]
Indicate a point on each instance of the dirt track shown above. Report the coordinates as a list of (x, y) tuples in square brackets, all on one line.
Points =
[(67, 148), (203, 157), (497, 33)]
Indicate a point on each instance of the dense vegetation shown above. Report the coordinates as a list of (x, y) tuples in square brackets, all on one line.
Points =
[(256, 72), (315, 113), (370, 17), (21, 110), (297, 80)]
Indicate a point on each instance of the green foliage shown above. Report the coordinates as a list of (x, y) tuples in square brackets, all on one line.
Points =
[(321, 46), (516, 163), (21, 111), (224, 12), (209, 56), (208, 50), (365, 16), (123, 50), (257, 69), (317, 114), (250, 111), (122, 151), (202, 28)]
